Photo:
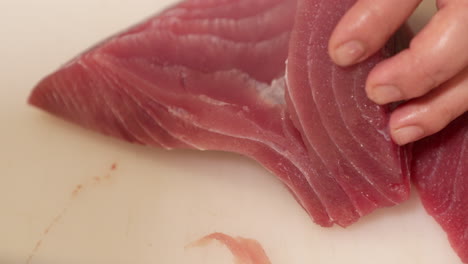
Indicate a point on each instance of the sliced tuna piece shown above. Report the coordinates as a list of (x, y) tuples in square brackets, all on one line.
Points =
[(346, 134), (440, 173)]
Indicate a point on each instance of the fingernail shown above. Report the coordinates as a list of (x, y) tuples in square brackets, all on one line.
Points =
[(349, 53), (386, 94), (407, 134)]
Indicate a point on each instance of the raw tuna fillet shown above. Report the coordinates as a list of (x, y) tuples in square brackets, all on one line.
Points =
[(440, 172), (210, 75), (346, 134), (201, 75)]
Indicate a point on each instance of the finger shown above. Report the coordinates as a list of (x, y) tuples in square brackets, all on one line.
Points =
[(429, 114), (366, 27), (435, 55), (441, 3)]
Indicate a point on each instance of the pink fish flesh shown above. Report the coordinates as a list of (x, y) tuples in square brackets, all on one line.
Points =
[(174, 81), (346, 134)]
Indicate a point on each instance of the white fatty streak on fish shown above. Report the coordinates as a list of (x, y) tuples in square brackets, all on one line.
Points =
[(217, 43), (203, 6), (273, 93), (318, 153), (174, 135), (372, 123), (301, 124), (365, 148), (59, 97), (276, 148), (359, 170), (309, 169), (101, 59), (110, 106), (209, 100), (74, 96), (143, 127), (184, 115), (456, 196), (235, 25), (310, 60), (187, 117)]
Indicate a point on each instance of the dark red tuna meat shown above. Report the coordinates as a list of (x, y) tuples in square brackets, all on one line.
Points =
[(440, 173)]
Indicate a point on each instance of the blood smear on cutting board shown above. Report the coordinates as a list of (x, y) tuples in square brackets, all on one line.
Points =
[(245, 250)]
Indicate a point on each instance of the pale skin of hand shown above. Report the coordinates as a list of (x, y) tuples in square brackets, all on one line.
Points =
[(431, 75)]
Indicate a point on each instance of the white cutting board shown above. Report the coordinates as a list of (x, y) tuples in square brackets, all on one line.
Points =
[(155, 202)]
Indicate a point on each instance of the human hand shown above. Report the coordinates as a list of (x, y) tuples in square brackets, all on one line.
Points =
[(432, 74)]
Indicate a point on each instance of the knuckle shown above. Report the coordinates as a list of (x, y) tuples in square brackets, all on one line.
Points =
[(442, 3), (445, 3), (425, 82), (447, 114), (428, 75)]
